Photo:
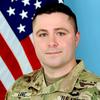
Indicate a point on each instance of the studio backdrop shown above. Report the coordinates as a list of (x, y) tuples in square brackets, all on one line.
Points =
[(88, 17)]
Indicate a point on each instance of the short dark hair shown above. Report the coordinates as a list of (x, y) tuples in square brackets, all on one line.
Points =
[(56, 7)]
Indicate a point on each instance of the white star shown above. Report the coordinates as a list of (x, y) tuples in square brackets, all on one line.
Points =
[(37, 4), (13, 0), (21, 28), (11, 11), (60, 1), (23, 14), (26, 2)]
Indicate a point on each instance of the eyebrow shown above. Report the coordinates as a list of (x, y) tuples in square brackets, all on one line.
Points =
[(56, 29), (44, 30)]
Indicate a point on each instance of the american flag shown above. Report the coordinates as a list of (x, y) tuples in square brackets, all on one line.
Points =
[(17, 55)]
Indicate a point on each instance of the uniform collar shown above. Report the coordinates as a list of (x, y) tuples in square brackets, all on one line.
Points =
[(65, 84)]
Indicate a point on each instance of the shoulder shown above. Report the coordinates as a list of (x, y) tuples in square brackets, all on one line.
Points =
[(89, 83), (26, 79), (89, 76), (89, 79), (22, 83), (88, 86)]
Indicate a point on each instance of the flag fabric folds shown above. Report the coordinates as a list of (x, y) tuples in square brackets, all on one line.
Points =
[(17, 55)]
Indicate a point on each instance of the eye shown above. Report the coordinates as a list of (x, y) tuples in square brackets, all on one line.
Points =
[(61, 33), (42, 34)]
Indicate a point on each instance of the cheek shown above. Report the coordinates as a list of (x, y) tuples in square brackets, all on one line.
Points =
[(40, 46), (72, 41), (68, 43)]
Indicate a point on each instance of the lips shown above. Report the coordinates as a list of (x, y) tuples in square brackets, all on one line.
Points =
[(56, 52)]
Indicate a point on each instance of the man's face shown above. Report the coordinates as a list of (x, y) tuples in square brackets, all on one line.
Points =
[(54, 39)]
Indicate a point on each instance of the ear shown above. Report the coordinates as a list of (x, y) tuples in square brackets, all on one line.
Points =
[(77, 38)]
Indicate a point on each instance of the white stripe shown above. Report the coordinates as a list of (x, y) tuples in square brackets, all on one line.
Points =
[(31, 37), (5, 75), (14, 45)]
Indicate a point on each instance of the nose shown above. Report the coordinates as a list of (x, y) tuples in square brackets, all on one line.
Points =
[(52, 41)]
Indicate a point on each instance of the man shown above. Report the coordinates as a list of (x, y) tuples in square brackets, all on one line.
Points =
[(61, 77)]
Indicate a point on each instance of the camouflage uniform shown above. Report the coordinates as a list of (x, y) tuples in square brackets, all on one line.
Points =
[(77, 85)]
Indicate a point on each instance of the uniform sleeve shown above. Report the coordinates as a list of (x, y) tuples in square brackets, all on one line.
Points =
[(16, 86), (19, 85)]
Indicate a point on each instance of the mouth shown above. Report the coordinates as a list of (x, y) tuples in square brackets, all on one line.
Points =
[(52, 53)]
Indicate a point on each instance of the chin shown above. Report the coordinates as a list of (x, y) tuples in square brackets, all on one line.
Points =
[(53, 64)]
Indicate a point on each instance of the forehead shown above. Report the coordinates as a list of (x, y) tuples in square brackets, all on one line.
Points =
[(56, 19)]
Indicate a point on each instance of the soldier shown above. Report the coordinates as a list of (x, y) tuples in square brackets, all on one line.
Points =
[(62, 76)]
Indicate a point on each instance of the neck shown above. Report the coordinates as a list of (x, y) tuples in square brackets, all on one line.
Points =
[(57, 72)]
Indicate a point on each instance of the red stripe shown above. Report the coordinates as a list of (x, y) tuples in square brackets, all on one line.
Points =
[(2, 91), (30, 52), (9, 59)]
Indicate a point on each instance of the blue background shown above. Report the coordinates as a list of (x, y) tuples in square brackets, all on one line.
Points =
[(88, 17)]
